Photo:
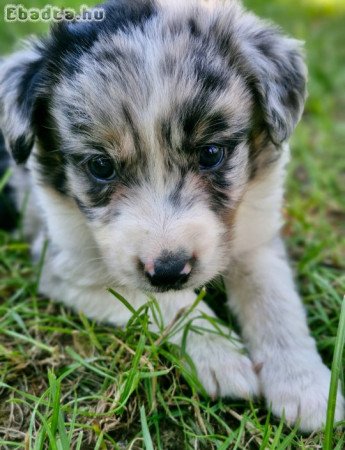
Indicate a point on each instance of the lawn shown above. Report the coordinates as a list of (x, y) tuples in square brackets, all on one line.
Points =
[(66, 382)]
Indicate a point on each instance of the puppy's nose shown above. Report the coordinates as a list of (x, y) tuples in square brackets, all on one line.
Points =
[(170, 270)]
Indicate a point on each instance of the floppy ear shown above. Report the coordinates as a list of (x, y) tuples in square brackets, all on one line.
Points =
[(20, 76), (275, 68), (271, 63)]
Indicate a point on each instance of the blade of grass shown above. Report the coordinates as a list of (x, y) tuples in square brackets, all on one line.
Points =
[(146, 432), (65, 444), (133, 375), (336, 368), (28, 339), (79, 440), (122, 300), (86, 363), (5, 178), (55, 393)]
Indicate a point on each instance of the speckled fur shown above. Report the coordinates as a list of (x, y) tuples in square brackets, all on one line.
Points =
[(149, 88)]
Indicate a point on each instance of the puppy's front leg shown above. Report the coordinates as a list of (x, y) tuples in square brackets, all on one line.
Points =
[(293, 378), (220, 361)]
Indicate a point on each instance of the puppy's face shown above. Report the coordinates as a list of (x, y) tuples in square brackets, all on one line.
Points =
[(150, 121), (154, 129)]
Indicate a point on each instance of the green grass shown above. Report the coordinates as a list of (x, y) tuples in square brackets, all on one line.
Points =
[(66, 382)]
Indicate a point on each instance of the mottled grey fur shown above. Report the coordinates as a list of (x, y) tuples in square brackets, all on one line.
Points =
[(146, 97)]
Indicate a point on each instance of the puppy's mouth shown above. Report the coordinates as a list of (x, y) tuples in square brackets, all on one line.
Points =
[(169, 287)]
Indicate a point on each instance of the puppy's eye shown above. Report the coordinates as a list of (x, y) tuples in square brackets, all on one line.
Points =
[(101, 168), (211, 157)]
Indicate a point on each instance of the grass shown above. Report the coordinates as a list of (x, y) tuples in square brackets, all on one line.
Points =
[(336, 371), (67, 382)]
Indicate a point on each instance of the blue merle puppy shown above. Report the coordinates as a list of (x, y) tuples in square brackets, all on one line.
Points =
[(155, 144)]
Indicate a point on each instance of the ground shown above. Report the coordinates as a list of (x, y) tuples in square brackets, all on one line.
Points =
[(66, 382)]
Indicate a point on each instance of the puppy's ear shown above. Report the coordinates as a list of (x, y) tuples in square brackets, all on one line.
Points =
[(274, 66), (20, 77), (271, 63)]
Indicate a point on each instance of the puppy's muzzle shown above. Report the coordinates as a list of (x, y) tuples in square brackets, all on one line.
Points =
[(169, 271)]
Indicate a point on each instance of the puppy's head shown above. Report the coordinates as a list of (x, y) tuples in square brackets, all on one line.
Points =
[(153, 122)]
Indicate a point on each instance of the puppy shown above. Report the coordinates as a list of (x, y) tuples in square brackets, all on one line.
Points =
[(155, 145)]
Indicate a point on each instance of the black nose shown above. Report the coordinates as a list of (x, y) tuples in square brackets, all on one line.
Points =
[(170, 270)]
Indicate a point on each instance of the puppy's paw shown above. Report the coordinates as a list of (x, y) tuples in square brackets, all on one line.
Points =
[(301, 394), (222, 367)]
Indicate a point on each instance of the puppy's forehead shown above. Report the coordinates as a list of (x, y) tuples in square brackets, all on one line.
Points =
[(146, 84)]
